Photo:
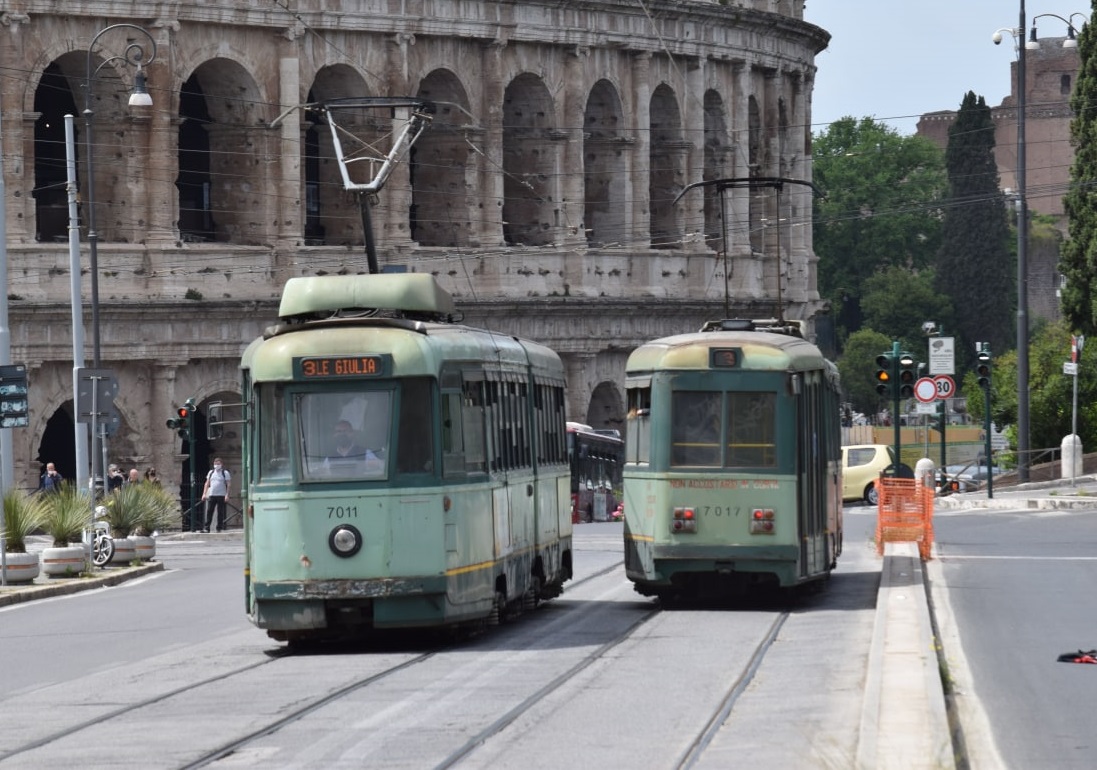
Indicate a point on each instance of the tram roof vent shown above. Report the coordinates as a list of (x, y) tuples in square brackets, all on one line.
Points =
[(774, 325), (324, 296)]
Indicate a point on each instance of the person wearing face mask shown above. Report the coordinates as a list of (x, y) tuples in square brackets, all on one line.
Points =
[(349, 458), (216, 494)]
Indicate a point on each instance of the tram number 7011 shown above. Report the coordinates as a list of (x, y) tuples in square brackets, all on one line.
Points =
[(342, 512)]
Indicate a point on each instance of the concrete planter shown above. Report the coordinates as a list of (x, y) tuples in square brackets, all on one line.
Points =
[(124, 551), (21, 567), (66, 561), (144, 547)]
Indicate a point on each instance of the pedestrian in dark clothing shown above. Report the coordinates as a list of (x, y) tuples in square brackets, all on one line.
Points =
[(51, 479)]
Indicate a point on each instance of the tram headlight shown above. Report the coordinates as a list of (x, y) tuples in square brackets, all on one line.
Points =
[(345, 540)]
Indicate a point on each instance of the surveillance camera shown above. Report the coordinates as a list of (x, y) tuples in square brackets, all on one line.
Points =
[(997, 38), (928, 326)]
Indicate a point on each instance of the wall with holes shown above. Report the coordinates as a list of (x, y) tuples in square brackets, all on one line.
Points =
[(551, 194)]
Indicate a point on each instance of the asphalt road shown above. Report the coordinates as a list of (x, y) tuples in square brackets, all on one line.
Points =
[(1018, 589)]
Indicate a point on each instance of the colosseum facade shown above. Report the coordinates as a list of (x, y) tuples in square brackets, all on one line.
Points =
[(546, 195)]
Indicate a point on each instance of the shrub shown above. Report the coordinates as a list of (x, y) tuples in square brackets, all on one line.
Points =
[(67, 514), (23, 515)]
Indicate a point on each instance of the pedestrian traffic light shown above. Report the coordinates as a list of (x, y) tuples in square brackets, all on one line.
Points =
[(982, 367), (908, 375), (885, 377)]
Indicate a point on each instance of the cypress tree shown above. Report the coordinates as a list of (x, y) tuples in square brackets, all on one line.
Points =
[(974, 266), (1078, 256)]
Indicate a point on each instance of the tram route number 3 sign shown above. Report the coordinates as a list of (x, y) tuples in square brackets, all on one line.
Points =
[(930, 389)]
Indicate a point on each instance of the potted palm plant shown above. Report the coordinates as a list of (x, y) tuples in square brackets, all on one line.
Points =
[(67, 515), (158, 511), (23, 515), (127, 508)]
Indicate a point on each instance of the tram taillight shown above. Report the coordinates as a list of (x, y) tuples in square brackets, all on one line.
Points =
[(683, 521), (762, 521)]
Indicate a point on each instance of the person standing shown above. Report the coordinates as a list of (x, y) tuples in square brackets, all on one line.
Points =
[(51, 479), (114, 478), (216, 494), (135, 477)]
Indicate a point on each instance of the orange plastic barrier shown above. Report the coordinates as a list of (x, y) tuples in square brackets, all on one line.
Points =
[(905, 514)]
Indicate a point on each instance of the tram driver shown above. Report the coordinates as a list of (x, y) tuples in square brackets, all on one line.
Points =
[(350, 458)]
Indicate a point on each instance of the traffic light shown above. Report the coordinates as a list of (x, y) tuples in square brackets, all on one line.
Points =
[(982, 367), (908, 375), (885, 377), (183, 422)]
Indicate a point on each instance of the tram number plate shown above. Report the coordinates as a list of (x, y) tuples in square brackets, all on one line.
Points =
[(342, 511)]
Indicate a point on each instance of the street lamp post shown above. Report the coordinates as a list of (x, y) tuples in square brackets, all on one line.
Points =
[(1032, 43), (1022, 252), (134, 54)]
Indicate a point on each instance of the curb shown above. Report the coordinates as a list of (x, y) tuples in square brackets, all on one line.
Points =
[(1064, 502), (17, 594), (904, 722)]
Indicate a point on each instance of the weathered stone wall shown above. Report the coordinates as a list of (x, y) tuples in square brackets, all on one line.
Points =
[(544, 198)]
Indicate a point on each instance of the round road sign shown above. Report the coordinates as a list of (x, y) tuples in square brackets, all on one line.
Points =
[(946, 386), (925, 390)]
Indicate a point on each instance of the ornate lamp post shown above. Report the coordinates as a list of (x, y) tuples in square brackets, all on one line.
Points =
[(136, 55)]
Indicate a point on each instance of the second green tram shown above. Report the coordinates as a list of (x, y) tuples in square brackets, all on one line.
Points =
[(732, 475)]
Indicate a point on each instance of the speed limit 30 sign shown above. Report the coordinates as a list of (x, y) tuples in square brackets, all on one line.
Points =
[(946, 386)]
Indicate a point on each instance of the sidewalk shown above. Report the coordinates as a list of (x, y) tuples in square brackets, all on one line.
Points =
[(44, 586), (1060, 494)]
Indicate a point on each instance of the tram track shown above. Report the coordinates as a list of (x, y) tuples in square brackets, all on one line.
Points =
[(727, 704)]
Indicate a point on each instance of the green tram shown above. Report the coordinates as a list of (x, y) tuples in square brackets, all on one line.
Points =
[(732, 475), (402, 470)]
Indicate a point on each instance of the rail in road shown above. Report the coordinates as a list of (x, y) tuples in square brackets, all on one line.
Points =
[(597, 677)]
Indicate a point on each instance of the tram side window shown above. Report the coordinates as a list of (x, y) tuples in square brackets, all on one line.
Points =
[(695, 419), (752, 425), (415, 447), (453, 437), (273, 435), (473, 427), (638, 428)]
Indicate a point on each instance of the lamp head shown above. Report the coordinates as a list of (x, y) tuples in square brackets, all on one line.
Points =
[(140, 96)]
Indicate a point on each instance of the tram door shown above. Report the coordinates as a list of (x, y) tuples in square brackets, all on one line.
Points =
[(811, 473)]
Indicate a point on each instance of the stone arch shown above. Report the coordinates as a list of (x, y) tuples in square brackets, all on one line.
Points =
[(332, 216), (60, 90), (529, 163), (224, 173), (56, 444), (717, 159), (667, 168), (606, 409), (605, 150), (441, 174)]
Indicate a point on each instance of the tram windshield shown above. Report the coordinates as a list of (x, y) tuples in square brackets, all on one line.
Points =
[(344, 434)]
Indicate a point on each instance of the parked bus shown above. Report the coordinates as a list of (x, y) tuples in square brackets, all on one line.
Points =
[(596, 458)]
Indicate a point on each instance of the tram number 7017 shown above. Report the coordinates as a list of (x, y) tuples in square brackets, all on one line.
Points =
[(717, 510), (342, 512)]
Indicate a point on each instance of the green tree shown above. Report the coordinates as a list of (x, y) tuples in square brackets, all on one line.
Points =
[(1050, 404), (897, 301), (883, 193), (974, 265), (857, 368), (1078, 257)]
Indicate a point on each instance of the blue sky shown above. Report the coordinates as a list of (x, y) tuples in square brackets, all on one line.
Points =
[(894, 60)]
